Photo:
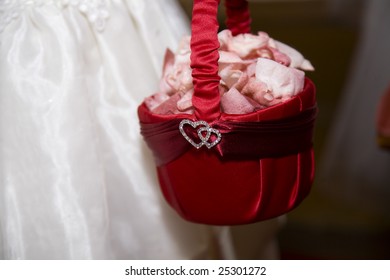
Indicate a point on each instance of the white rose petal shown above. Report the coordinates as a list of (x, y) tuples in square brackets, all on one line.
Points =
[(282, 81), (297, 59)]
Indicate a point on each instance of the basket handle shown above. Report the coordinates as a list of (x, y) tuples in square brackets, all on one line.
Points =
[(204, 51)]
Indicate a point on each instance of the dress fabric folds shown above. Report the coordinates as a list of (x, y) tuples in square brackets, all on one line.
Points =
[(76, 181)]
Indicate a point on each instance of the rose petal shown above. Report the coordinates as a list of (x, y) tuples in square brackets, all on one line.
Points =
[(233, 102), (185, 102), (229, 57), (155, 100), (169, 105), (265, 53), (264, 37), (251, 69), (180, 77), (297, 59), (245, 44), (282, 81), (183, 59), (184, 46), (224, 37), (258, 91), (280, 57), (169, 59), (229, 75)]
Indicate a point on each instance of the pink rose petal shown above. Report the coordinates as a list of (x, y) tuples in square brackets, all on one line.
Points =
[(184, 46), (280, 57), (169, 59), (185, 102), (179, 76), (297, 59), (282, 81), (169, 106), (233, 102), (251, 69), (155, 100), (229, 57), (224, 38), (256, 72), (245, 44), (258, 91)]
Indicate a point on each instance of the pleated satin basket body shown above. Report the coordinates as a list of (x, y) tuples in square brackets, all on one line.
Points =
[(224, 169)]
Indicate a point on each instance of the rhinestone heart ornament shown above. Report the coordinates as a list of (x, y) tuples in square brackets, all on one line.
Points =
[(204, 132)]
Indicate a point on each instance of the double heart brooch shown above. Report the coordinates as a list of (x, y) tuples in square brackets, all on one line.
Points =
[(207, 135)]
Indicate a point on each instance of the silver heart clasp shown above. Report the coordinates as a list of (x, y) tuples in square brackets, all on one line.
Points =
[(205, 131)]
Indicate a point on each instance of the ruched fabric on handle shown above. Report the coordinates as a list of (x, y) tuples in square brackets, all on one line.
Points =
[(238, 16), (204, 51)]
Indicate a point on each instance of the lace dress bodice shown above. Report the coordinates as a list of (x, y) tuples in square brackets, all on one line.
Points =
[(95, 10)]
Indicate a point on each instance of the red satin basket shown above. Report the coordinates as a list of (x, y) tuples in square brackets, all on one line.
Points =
[(246, 168)]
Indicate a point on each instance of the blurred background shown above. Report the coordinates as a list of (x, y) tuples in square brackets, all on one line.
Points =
[(346, 216)]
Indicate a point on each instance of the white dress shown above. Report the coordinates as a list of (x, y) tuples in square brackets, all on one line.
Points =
[(76, 179)]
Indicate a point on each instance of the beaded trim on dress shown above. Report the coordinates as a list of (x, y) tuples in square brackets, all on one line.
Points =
[(96, 11)]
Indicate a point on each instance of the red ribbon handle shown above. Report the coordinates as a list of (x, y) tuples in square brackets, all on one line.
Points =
[(238, 16), (204, 51)]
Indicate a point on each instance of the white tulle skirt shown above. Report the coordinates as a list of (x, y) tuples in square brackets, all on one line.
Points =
[(76, 180)]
